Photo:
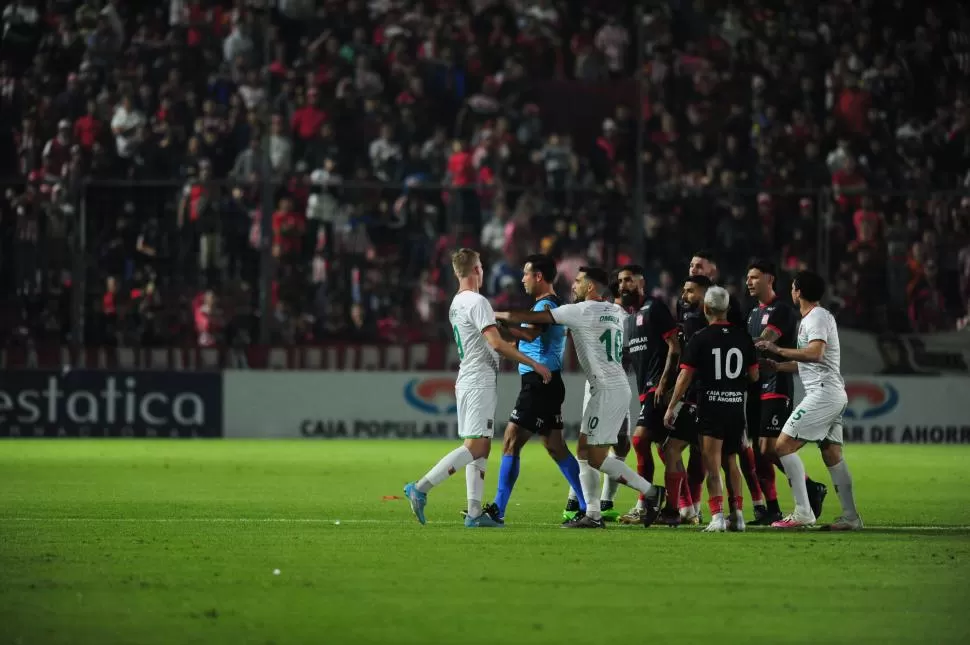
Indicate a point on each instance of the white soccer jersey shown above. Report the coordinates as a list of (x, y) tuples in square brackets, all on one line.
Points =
[(819, 324), (470, 315), (597, 330)]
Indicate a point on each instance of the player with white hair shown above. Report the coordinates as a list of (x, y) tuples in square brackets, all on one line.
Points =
[(818, 417), (721, 358)]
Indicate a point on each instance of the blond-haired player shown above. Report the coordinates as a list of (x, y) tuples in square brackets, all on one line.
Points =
[(476, 391)]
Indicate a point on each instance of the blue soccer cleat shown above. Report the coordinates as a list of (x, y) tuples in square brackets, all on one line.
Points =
[(417, 499), (483, 521)]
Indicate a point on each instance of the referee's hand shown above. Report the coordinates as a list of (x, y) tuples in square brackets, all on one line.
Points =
[(544, 372)]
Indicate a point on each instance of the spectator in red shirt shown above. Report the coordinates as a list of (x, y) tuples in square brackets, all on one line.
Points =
[(848, 183), (208, 320), (867, 213), (87, 129), (307, 120), (288, 228), (57, 152)]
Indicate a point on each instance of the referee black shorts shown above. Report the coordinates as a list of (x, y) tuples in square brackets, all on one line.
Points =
[(538, 407)]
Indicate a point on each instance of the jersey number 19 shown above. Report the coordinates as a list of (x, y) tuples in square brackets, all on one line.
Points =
[(613, 345)]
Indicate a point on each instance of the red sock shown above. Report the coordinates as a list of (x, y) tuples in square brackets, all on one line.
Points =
[(716, 504), (750, 472), (644, 459), (738, 502), (676, 482), (686, 499), (695, 474), (766, 476)]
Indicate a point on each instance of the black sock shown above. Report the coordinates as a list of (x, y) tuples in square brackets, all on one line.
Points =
[(810, 484), (606, 505), (572, 505), (773, 506)]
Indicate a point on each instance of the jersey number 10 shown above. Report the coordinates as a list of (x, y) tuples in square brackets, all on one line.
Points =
[(613, 344), (731, 363)]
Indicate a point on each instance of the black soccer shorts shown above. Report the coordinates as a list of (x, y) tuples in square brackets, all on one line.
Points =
[(538, 407), (774, 414), (685, 426), (652, 418), (727, 427)]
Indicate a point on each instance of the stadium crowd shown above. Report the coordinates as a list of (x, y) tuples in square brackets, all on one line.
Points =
[(831, 135)]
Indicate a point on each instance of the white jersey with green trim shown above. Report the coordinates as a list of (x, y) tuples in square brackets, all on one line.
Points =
[(597, 331), (470, 315)]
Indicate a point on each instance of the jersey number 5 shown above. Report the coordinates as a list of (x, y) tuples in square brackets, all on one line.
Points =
[(461, 350), (731, 363), (613, 344)]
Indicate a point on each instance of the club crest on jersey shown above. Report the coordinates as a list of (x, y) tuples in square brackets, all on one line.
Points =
[(639, 319), (764, 319)]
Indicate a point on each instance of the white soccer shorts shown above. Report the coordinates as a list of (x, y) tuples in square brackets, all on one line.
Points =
[(476, 412), (624, 429), (818, 417), (604, 412)]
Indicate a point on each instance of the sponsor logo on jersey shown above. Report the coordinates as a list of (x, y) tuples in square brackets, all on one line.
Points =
[(869, 400), (432, 395), (764, 319)]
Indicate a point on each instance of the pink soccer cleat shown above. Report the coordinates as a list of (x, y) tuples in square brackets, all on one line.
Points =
[(795, 521)]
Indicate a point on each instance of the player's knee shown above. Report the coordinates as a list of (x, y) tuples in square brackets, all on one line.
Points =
[(639, 432), (786, 446), (622, 447)]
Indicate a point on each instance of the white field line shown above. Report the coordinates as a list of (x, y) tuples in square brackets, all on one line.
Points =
[(319, 520)]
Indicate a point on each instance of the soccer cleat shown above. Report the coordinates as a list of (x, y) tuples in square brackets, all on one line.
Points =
[(670, 517), (691, 518), (610, 514), (736, 522), (571, 511), (585, 522), (717, 525), (760, 510), (483, 521), (655, 501), (491, 510), (766, 518), (843, 523), (794, 521), (633, 516), (575, 516), (417, 499), (816, 495)]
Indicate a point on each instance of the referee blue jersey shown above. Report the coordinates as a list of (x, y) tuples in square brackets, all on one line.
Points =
[(549, 347)]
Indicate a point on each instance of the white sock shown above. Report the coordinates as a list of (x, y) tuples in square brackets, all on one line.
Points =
[(475, 485), (590, 479), (448, 466), (572, 495), (795, 471), (697, 508), (758, 502), (616, 469), (610, 486), (842, 479)]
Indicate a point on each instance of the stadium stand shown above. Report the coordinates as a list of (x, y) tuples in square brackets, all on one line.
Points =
[(144, 141)]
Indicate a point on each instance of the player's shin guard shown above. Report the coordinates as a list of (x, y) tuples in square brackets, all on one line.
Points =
[(645, 467), (590, 479), (448, 466), (766, 476), (842, 479), (507, 475), (475, 485), (569, 468), (676, 483), (795, 470), (750, 472), (695, 475)]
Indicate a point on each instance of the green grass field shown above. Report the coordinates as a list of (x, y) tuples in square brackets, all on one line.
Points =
[(141, 542)]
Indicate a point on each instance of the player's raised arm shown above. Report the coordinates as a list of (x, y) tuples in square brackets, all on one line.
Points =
[(509, 351)]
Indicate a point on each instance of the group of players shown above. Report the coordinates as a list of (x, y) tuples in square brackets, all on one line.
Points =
[(710, 384)]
